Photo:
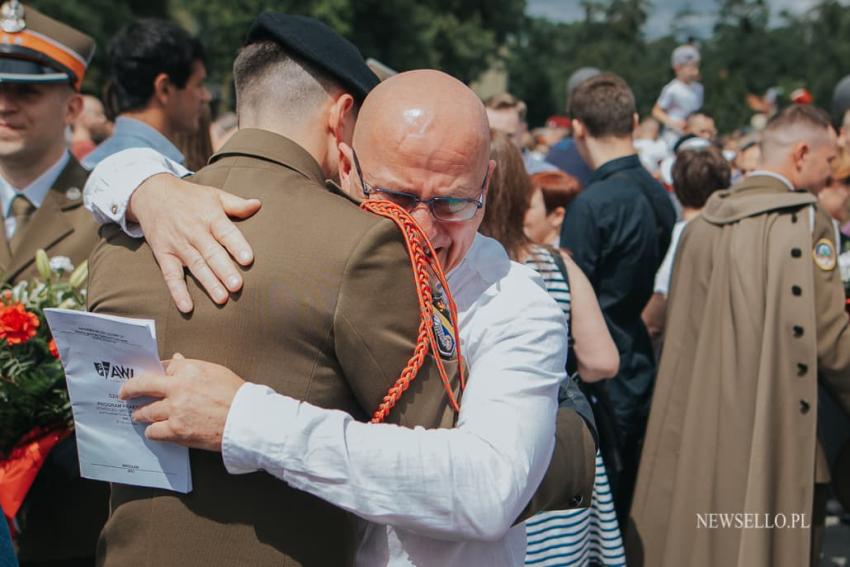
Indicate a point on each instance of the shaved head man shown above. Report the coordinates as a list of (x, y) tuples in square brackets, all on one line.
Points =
[(448, 497), (438, 144)]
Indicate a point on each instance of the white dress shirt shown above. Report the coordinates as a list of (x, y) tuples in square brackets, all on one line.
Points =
[(35, 192), (441, 497)]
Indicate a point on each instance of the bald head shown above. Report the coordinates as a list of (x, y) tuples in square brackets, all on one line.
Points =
[(424, 119), (426, 134)]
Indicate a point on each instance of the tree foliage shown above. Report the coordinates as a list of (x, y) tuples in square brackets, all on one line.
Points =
[(744, 54), (748, 51)]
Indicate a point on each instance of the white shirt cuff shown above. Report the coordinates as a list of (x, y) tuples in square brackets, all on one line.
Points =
[(258, 424), (111, 184)]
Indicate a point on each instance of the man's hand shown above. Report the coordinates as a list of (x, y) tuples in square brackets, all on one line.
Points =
[(188, 225), (195, 397)]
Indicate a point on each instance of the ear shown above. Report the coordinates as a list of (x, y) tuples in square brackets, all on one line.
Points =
[(73, 108), (347, 176), (162, 88), (579, 131), (556, 217), (341, 118), (635, 121), (799, 154)]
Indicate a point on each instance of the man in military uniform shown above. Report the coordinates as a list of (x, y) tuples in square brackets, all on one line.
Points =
[(307, 322), (756, 319), (42, 64)]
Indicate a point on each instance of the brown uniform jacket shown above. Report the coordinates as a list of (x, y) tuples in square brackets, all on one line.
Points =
[(63, 513), (752, 322), (328, 315)]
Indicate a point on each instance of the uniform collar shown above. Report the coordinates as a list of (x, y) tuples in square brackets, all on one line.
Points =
[(36, 191), (272, 147), (763, 172)]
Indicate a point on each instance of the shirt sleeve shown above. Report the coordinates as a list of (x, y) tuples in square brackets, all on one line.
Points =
[(580, 236), (111, 184), (665, 99), (469, 482)]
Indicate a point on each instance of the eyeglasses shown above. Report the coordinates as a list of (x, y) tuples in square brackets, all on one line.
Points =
[(446, 209)]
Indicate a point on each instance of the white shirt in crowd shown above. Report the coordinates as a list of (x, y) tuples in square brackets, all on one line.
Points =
[(444, 497), (679, 100), (665, 271), (35, 192)]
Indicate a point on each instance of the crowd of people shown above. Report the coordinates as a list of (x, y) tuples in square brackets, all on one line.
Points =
[(641, 335)]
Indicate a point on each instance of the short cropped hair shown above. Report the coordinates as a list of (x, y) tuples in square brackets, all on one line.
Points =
[(799, 115), (265, 73), (605, 105), (141, 51), (698, 173), (558, 188)]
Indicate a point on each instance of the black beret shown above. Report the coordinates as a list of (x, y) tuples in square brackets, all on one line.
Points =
[(318, 45)]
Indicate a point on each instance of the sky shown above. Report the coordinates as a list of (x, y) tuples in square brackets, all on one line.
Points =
[(662, 13)]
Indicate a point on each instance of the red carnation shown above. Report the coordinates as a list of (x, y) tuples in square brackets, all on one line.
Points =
[(53, 350), (17, 325)]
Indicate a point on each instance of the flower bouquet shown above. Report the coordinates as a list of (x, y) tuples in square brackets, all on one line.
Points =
[(35, 413)]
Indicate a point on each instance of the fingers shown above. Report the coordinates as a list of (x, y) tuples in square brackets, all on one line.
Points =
[(199, 267), (160, 431), (148, 385), (237, 206), (152, 412), (172, 272), (219, 258)]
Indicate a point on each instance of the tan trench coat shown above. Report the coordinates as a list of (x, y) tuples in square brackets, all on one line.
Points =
[(752, 322)]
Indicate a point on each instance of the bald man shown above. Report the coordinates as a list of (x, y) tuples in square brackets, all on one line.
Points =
[(756, 321), (430, 497)]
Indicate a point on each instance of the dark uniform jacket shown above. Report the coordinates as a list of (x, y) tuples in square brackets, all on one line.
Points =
[(63, 513)]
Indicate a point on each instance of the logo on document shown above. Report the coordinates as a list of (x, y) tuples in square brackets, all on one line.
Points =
[(108, 370)]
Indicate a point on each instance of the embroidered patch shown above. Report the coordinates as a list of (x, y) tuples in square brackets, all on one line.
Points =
[(824, 255), (443, 330)]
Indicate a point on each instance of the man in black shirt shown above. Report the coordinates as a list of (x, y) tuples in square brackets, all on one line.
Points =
[(618, 230)]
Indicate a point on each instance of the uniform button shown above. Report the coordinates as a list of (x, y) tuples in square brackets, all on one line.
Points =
[(804, 406), (796, 252), (114, 209), (796, 290), (793, 217), (798, 331), (577, 500), (802, 369)]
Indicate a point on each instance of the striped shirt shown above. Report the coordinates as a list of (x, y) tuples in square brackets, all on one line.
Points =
[(587, 535)]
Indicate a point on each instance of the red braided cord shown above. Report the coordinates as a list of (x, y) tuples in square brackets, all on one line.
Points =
[(424, 258)]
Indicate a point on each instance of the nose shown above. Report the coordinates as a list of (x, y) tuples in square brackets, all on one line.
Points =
[(422, 215)]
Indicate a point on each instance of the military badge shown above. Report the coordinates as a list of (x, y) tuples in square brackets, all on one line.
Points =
[(824, 255), (442, 322)]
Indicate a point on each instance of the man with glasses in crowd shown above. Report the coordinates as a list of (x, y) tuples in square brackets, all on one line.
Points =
[(429, 153)]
